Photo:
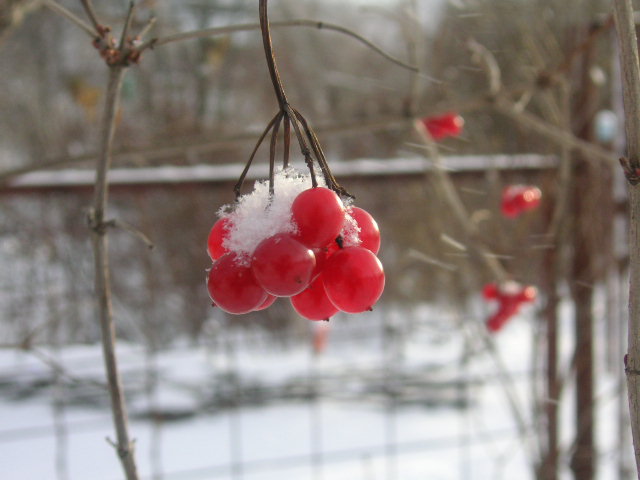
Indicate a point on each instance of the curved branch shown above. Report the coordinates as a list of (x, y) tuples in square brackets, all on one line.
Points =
[(243, 27)]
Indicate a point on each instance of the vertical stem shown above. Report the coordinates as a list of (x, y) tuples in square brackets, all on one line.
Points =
[(271, 60), (102, 276), (287, 142), (588, 240), (628, 43), (272, 155)]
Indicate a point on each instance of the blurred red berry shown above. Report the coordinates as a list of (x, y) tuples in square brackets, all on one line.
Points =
[(517, 199), (447, 125)]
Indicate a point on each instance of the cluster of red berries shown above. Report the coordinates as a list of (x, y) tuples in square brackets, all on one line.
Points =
[(442, 126), (517, 199), (510, 297), (312, 266)]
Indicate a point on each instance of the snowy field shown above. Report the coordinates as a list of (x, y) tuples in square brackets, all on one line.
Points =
[(393, 397)]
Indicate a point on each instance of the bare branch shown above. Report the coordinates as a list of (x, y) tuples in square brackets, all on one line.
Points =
[(451, 197), (143, 33), (484, 57), (150, 153), (127, 25), (102, 274), (88, 8), (210, 32), (551, 132), (628, 45), (69, 15), (127, 227)]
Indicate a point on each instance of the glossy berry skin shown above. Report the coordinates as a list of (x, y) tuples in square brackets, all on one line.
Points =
[(517, 199), (319, 215), (312, 303), (447, 125), (369, 231), (353, 279), (321, 254), (218, 233), (233, 287), (267, 303), (282, 265)]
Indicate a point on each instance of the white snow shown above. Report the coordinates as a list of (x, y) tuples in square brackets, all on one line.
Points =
[(258, 215), (351, 431)]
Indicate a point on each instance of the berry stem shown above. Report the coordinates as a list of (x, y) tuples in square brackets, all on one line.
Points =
[(238, 185), (272, 152), (307, 139), (271, 59), (287, 142)]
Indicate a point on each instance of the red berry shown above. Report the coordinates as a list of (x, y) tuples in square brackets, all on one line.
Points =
[(319, 215), (353, 279), (528, 294), (267, 303), (517, 199), (282, 265), (321, 254), (447, 125), (217, 235), (490, 291), (233, 287), (369, 231), (313, 303)]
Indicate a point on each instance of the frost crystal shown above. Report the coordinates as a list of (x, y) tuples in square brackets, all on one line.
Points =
[(255, 217)]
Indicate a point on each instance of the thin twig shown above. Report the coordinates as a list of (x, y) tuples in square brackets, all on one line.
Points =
[(88, 8), (287, 142), (157, 152), (116, 223), (58, 368), (69, 15), (143, 33), (272, 154), (238, 185), (453, 200), (210, 32), (482, 55), (500, 102), (127, 25), (551, 132)]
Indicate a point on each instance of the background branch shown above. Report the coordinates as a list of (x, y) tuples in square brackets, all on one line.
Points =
[(210, 32), (69, 15)]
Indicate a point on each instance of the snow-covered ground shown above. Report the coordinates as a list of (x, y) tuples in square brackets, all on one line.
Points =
[(351, 430)]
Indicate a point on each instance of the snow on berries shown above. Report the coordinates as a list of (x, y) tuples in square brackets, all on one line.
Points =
[(510, 297), (301, 242)]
